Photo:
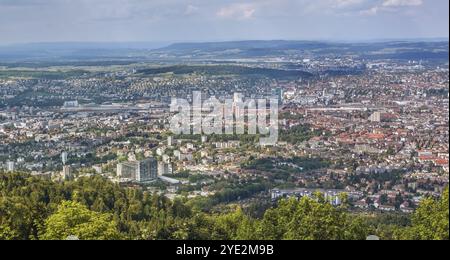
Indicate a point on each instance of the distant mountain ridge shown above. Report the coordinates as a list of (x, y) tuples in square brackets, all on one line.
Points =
[(274, 44), (300, 45), (415, 50)]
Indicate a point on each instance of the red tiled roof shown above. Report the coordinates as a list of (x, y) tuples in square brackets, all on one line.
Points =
[(376, 136), (441, 162)]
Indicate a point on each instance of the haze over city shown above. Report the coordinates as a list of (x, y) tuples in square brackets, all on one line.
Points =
[(199, 20)]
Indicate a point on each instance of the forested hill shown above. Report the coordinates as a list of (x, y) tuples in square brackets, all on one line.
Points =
[(402, 50), (227, 70), (96, 209), (119, 53)]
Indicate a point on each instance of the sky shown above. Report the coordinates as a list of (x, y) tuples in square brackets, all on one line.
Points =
[(25, 21)]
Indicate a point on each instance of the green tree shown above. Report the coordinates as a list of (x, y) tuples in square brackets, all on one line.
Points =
[(429, 222), (309, 219), (6, 233), (247, 230), (74, 219)]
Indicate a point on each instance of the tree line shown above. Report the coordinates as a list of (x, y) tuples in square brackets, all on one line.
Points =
[(94, 208)]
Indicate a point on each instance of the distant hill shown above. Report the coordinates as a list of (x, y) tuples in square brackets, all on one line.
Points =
[(247, 45), (228, 70), (75, 52), (78, 51), (248, 49)]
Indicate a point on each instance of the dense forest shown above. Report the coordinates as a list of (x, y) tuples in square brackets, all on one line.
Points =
[(94, 208), (42, 74), (227, 70)]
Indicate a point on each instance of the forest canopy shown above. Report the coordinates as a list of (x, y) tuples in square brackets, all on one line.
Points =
[(94, 208)]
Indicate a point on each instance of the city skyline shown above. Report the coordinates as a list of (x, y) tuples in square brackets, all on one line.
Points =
[(164, 22)]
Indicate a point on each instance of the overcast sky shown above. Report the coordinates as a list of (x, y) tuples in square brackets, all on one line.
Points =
[(217, 20)]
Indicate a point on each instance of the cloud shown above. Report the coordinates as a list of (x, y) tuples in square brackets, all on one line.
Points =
[(199, 20), (347, 3), (237, 11), (191, 9), (371, 11), (395, 3), (333, 7), (390, 5)]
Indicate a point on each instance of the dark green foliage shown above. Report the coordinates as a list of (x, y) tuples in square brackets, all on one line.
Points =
[(228, 70), (298, 134), (429, 222), (96, 209), (281, 165)]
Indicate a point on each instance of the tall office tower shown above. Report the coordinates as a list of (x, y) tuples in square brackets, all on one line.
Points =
[(279, 94), (147, 170), (170, 141), (10, 166), (64, 157), (164, 168), (126, 170), (375, 117), (140, 171)]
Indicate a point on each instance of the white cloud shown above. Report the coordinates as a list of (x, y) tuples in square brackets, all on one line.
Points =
[(390, 5), (393, 3), (198, 20), (371, 11), (237, 11), (333, 7), (347, 3), (191, 9)]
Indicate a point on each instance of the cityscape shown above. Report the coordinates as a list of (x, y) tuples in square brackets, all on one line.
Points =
[(359, 135)]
